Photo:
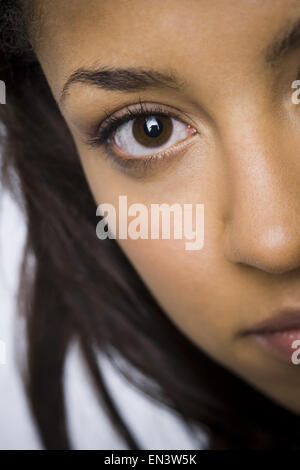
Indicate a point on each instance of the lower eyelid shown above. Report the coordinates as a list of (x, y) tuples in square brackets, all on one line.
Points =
[(133, 165)]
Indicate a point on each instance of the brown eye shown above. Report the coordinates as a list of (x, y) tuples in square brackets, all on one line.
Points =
[(152, 131), (147, 135)]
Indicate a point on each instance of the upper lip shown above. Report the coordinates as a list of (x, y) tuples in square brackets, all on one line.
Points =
[(283, 320)]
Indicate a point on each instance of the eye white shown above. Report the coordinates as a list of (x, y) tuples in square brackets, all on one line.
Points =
[(127, 143)]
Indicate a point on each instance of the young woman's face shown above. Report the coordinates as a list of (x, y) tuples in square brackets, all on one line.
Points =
[(231, 109)]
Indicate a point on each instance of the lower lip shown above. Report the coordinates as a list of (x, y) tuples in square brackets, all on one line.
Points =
[(281, 342)]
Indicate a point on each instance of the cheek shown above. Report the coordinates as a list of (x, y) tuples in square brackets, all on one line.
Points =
[(188, 286)]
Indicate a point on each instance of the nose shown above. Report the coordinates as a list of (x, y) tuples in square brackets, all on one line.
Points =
[(263, 217)]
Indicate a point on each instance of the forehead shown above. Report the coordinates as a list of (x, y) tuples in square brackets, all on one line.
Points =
[(192, 36)]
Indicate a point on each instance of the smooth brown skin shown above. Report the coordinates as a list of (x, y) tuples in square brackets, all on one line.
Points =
[(244, 165)]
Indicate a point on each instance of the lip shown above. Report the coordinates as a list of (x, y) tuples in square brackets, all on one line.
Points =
[(278, 333)]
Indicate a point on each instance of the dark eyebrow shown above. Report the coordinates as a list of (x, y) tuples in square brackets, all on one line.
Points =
[(286, 41), (126, 80)]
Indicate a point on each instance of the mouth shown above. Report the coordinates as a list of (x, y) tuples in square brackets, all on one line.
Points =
[(278, 334)]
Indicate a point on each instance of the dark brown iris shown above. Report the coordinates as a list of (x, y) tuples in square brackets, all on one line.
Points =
[(152, 131)]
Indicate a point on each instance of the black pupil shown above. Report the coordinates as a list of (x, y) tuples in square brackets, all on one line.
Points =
[(153, 127)]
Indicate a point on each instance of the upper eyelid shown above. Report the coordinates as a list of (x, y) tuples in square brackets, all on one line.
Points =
[(135, 108), (130, 115), (141, 104)]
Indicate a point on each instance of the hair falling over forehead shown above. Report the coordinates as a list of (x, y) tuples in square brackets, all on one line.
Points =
[(83, 289)]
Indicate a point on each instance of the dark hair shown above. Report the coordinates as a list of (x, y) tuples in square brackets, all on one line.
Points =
[(74, 286)]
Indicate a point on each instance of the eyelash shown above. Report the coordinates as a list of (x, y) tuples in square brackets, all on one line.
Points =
[(113, 122)]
